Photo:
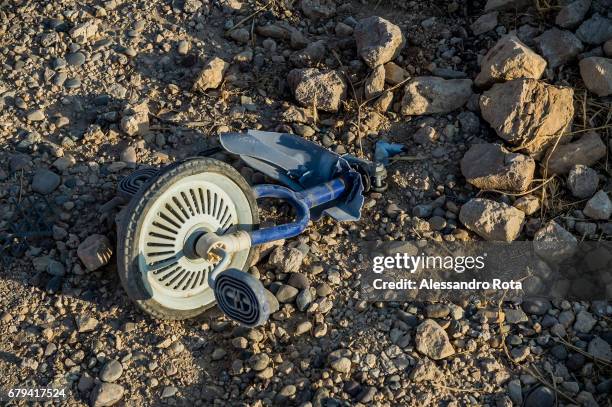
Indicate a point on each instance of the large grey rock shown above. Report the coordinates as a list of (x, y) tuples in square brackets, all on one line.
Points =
[(492, 220), (553, 243), (582, 181), (491, 166), (430, 94), (432, 341), (45, 181), (528, 113), (323, 90), (596, 30), (211, 76), (558, 46), (509, 59), (378, 40), (573, 13), (587, 150), (596, 74), (599, 207)]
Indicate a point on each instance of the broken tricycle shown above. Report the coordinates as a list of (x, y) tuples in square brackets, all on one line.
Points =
[(188, 232)]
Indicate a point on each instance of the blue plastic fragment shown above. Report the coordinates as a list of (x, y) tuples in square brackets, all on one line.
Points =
[(383, 151), (299, 164)]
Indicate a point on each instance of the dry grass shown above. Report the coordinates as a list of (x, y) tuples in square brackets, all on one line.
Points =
[(592, 114)]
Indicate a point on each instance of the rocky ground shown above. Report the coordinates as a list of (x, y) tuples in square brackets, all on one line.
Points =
[(504, 107)]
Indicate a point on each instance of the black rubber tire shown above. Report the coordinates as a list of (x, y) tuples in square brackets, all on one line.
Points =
[(128, 231)]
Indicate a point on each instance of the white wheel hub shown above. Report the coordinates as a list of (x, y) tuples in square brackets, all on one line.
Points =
[(196, 204)]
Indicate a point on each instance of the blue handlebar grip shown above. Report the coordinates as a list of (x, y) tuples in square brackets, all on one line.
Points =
[(302, 202)]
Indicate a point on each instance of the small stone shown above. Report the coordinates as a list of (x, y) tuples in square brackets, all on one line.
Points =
[(183, 47), (528, 204), (128, 155), (168, 391), (573, 13), (425, 370), (135, 120), (111, 371), (542, 396), (378, 40), (366, 395), (558, 46), (95, 251), (596, 30), (426, 135), (506, 5), (55, 268), (45, 181), (299, 281), (600, 349), (375, 83), (83, 32), (211, 76), (218, 354), (437, 310), (432, 341), (429, 95), (266, 374), (599, 207), (303, 327), (75, 59), (485, 23), (607, 47), (584, 322), (259, 361), (303, 300), (491, 166), (36, 116), (528, 113), (519, 354), (72, 83), (395, 74), (106, 394), (596, 73), (313, 88), (582, 181), (286, 294), (286, 260), (85, 323), (515, 316), (553, 243), (240, 35), (341, 365), (383, 102), (509, 59), (85, 383), (318, 9), (515, 392), (492, 220), (343, 30), (587, 150)]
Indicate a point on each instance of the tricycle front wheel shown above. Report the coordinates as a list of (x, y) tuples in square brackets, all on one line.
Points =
[(156, 262)]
